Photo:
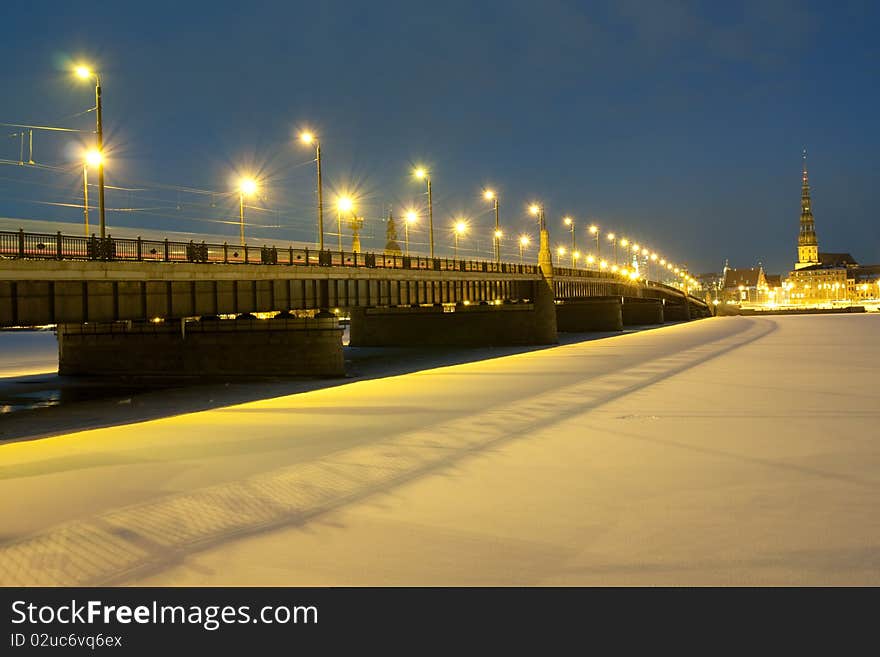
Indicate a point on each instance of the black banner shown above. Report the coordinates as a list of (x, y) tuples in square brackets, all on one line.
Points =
[(147, 620)]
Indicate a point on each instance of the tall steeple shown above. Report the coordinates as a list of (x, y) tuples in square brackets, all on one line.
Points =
[(808, 245)]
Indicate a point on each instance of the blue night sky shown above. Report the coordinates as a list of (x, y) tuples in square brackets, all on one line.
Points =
[(679, 124)]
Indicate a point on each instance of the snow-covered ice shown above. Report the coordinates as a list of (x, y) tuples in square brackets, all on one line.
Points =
[(739, 450)]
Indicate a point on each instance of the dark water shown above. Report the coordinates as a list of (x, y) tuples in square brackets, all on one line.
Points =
[(45, 391)]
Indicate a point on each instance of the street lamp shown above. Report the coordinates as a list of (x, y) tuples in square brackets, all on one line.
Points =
[(423, 174), (523, 243), (246, 187), (459, 228), (560, 251), (613, 239), (568, 221), (92, 158), (410, 218), (490, 195), (308, 139), (346, 205), (538, 211), (85, 73), (594, 230)]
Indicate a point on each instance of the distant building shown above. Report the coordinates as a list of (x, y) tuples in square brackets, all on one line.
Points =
[(775, 290), (864, 284), (744, 285), (710, 283), (808, 243), (823, 277)]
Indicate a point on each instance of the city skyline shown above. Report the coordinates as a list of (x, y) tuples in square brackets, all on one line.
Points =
[(635, 162)]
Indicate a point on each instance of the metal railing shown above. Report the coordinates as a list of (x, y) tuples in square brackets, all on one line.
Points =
[(46, 246)]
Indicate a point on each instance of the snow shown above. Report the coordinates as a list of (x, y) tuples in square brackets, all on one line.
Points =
[(738, 450)]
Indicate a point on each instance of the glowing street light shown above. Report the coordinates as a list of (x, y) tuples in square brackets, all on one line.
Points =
[(611, 237), (423, 174), (86, 73), (344, 205), (410, 218), (560, 251), (537, 209), (92, 158), (568, 221), (524, 241), (459, 229), (594, 230), (246, 187), (309, 138), (490, 195)]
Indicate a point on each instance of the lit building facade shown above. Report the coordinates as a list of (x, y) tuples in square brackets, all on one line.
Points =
[(824, 278)]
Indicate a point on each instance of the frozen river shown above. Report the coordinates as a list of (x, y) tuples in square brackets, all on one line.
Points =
[(739, 450)]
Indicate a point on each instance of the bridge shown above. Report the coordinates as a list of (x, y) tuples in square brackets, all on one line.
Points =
[(126, 306)]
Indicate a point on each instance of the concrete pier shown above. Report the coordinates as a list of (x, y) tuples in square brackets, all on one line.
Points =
[(675, 312), (489, 325), (599, 314), (227, 347), (642, 311)]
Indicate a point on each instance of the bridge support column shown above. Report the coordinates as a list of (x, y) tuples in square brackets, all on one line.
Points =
[(475, 325), (211, 348), (642, 311), (599, 314)]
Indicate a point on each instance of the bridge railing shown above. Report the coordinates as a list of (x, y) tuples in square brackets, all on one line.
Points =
[(46, 246), (614, 276)]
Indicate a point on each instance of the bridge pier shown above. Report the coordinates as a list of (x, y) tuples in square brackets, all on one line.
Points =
[(676, 312), (209, 347), (642, 311), (531, 323), (598, 314)]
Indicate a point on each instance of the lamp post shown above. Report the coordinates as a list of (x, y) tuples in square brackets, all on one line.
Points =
[(490, 195), (568, 221), (246, 187), (523, 243), (343, 204), (92, 158), (308, 138), (538, 211), (411, 218), (85, 73), (459, 229), (423, 174), (613, 239), (594, 230)]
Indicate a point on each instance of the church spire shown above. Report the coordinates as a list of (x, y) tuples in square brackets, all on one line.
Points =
[(808, 245)]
